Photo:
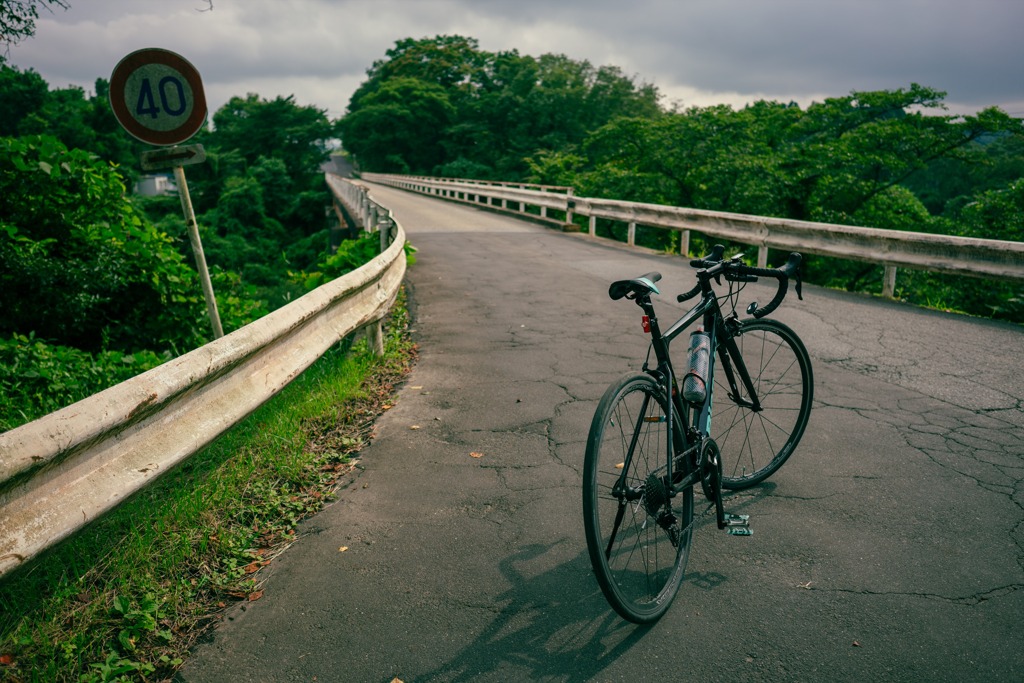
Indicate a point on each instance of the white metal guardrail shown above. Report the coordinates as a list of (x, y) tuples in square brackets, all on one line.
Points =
[(64, 470), (891, 248)]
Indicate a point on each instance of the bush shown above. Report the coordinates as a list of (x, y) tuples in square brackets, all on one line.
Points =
[(37, 378), (79, 264)]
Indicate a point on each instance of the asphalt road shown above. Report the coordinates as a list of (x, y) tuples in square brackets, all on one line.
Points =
[(889, 548)]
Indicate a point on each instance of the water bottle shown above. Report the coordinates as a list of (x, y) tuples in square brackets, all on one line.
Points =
[(695, 382)]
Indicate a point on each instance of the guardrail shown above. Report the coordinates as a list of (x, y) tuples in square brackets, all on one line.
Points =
[(892, 248), (62, 471)]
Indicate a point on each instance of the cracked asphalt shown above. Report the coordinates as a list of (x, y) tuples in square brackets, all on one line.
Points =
[(889, 548)]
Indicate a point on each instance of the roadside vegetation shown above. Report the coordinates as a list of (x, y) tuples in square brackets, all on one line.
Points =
[(98, 284), (129, 595)]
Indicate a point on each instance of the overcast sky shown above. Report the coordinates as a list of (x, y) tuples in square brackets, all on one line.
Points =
[(697, 52)]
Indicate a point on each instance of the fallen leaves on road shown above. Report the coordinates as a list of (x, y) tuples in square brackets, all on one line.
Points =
[(414, 427), (342, 548), (475, 454)]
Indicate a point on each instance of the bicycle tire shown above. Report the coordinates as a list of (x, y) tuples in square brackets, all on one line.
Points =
[(754, 445), (638, 563)]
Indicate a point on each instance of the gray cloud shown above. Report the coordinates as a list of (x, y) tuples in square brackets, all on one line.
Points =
[(697, 51)]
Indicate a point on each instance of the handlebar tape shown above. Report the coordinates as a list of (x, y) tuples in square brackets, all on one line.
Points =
[(782, 274)]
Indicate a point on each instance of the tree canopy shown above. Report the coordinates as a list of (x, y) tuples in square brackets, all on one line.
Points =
[(888, 158), (443, 106)]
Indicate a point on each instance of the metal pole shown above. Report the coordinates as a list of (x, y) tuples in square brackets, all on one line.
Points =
[(762, 256), (197, 249), (889, 282)]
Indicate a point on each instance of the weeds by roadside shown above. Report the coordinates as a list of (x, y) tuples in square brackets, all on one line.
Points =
[(126, 598)]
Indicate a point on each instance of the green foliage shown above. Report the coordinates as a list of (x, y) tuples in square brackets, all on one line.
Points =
[(854, 160), (82, 267), (127, 597), (398, 128), (79, 121), (78, 264), (995, 214), (296, 136), (350, 255), (443, 106), (37, 378)]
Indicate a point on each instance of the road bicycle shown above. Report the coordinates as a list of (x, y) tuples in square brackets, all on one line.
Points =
[(651, 443)]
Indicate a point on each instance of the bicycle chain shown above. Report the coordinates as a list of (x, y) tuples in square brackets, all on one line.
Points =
[(695, 519)]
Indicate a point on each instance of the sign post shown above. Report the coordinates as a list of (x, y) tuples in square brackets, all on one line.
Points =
[(157, 96)]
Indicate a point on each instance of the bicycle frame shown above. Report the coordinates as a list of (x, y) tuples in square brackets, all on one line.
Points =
[(696, 426)]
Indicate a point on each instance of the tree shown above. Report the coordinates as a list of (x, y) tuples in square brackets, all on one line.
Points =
[(18, 18), (504, 107), (399, 127), (451, 62), (21, 93), (252, 127), (29, 107), (79, 266)]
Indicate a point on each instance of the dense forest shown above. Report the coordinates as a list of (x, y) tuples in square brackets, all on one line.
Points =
[(97, 284), (886, 159)]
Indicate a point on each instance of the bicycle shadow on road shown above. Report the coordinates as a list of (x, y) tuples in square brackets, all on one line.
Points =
[(552, 625), (555, 624)]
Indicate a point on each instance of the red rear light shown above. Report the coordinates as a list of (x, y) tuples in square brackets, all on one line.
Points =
[(646, 321)]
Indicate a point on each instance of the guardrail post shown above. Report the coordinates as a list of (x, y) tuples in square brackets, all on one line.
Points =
[(762, 256), (593, 226), (684, 242), (375, 337), (385, 234), (570, 204), (889, 282), (631, 234)]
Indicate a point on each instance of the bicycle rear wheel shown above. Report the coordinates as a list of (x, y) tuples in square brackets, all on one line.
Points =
[(754, 444), (638, 535)]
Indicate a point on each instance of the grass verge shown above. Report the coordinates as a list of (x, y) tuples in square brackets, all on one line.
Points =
[(125, 599)]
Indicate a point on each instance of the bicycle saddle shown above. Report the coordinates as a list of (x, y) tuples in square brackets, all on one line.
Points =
[(637, 286)]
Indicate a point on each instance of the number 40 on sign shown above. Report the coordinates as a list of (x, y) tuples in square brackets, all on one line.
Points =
[(157, 96)]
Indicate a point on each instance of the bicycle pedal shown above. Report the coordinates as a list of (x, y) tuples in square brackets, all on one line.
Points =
[(737, 520), (738, 525)]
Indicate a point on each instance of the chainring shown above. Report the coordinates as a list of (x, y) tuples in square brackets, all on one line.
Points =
[(711, 477)]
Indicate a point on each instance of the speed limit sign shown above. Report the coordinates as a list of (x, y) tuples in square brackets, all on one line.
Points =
[(157, 96)]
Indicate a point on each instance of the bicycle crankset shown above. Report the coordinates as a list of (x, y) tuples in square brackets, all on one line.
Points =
[(711, 476), (711, 483)]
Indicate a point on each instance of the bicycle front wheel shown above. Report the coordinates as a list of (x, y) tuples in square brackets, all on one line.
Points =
[(755, 442), (638, 531)]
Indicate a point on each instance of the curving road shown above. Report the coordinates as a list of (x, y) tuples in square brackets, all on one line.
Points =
[(889, 548)]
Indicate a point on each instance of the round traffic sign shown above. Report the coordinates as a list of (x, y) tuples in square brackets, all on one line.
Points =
[(157, 96)]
